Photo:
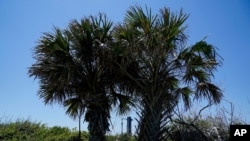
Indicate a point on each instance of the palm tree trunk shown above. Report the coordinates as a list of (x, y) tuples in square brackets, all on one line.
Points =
[(150, 123), (98, 123)]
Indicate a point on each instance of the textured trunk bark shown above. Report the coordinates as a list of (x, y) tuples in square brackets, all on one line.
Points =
[(150, 125), (98, 123)]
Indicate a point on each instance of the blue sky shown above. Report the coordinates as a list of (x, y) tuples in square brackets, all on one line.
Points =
[(225, 22)]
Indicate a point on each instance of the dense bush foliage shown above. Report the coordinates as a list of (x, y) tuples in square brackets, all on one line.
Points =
[(25, 130)]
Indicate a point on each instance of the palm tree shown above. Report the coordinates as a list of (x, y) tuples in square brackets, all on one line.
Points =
[(166, 69), (89, 38), (73, 69)]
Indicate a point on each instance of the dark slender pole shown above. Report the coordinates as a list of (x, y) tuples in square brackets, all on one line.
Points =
[(79, 133)]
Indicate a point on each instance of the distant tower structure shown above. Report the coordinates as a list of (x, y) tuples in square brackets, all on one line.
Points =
[(129, 125)]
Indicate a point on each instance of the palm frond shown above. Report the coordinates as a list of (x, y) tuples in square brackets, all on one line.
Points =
[(75, 107), (209, 91)]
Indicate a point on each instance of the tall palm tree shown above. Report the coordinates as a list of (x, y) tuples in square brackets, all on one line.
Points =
[(89, 38), (166, 69), (73, 70)]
